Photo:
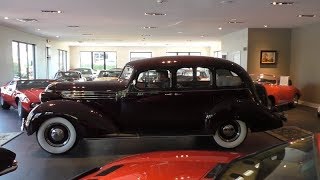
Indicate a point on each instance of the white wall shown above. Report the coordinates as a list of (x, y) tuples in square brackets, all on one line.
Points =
[(7, 35), (53, 64), (234, 43), (305, 61), (123, 53)]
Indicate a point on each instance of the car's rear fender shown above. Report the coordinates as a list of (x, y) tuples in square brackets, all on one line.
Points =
[(256, 116), (88, 121)]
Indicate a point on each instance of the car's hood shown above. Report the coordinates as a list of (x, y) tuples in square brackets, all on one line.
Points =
[(110, 86), (32, 94), (164, 165)]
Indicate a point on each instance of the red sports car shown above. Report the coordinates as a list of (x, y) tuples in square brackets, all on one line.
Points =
[(293, 160), (279, 93), (22, 94)]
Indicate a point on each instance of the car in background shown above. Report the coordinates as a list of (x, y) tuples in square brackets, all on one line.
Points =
[(224, 106), (7, 161), (71, 76), (278, 94), (107, 75), (297, 160), (87, 73), (22, 94)]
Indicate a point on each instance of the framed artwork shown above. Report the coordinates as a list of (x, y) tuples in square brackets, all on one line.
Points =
[(268, 57)]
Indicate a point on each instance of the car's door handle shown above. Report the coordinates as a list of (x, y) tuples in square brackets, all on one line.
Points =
[(177, 94), (168, 94)]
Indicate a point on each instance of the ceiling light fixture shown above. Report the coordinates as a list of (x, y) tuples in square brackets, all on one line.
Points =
[(281, 3), (27, 20), (57, 36), (73, 26), (202, 36), (235, 22), (265, 26), (52, 11), (6, 18), (180, 32), (87, 34), (226, 2), (306, 15), (149, 27), (145, 35), (154, 14), (161, 1), (38, 29), (220, 28)]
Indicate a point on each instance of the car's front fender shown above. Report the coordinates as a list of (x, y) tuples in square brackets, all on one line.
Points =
[(81, 115)]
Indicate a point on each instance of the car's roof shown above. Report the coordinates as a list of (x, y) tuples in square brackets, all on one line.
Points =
[(180, 61)]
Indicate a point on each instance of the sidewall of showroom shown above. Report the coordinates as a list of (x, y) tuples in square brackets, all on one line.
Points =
[(305, 62), (7, 35)]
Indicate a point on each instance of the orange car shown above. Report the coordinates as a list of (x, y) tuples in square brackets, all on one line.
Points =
[(279, 93)]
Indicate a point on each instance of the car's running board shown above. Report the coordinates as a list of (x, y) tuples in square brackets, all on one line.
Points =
[(116, 136)]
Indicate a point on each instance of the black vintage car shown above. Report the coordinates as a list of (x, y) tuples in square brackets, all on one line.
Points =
[(149, 99)]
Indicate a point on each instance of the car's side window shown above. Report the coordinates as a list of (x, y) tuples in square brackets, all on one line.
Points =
[(154, 79), (198, 77), (226, 78)]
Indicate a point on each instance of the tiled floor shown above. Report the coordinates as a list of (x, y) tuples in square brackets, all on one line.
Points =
[(34, 163)]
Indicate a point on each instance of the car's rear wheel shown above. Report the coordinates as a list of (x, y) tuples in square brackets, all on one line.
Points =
[(230, 134), (4, 104), (57, 135), (21, 112)]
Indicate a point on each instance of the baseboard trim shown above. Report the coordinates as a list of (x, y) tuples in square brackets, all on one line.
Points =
[(310, 104)]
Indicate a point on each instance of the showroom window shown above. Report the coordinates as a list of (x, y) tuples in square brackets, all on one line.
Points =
[(140, 55), (98, 60), (226, 78), (183, 53), (154, 79), (23, 55), (63, 60), (217, 54)]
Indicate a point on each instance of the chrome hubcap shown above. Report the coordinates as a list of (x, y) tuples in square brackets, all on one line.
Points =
[(57, 134), (229, 131)]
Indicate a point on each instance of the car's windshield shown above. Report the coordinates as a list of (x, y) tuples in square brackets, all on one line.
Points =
[(84, 71), (126, 73), (69, 75), (28, 84), (293, 161), (109, 73)]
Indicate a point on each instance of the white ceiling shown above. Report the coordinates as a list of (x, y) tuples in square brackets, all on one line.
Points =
[(122, 20)]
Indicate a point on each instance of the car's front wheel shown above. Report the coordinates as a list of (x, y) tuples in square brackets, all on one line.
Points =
[(21, 112), (4, 104), (57, 135), (231, 134)]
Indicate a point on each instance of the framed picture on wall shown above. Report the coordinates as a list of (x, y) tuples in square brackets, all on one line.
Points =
[(268, 57)]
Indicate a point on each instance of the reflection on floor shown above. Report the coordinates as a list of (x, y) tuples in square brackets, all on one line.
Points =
[(35, 163)]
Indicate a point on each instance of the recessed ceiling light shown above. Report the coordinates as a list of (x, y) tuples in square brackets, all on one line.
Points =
[(154, 14), (27, 20), (6, 18), (72, 26), (220, 28), (265, 26), (275, 3), (51, 11), (161, 1), (180, 32), (145, 35), (87, 34), (226, 2), (57, 36), (235, 22), (149, 27), (202, 36), (233, 19), (306, 15), (38, 29)]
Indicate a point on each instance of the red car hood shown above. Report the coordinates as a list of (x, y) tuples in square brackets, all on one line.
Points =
[(32, 94), (164, 165)]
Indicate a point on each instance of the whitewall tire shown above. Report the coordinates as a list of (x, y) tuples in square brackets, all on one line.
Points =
[(57, 135), (230, 134)]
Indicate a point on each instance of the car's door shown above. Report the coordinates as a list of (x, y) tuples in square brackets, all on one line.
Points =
[(193, 97), (148, 106)]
